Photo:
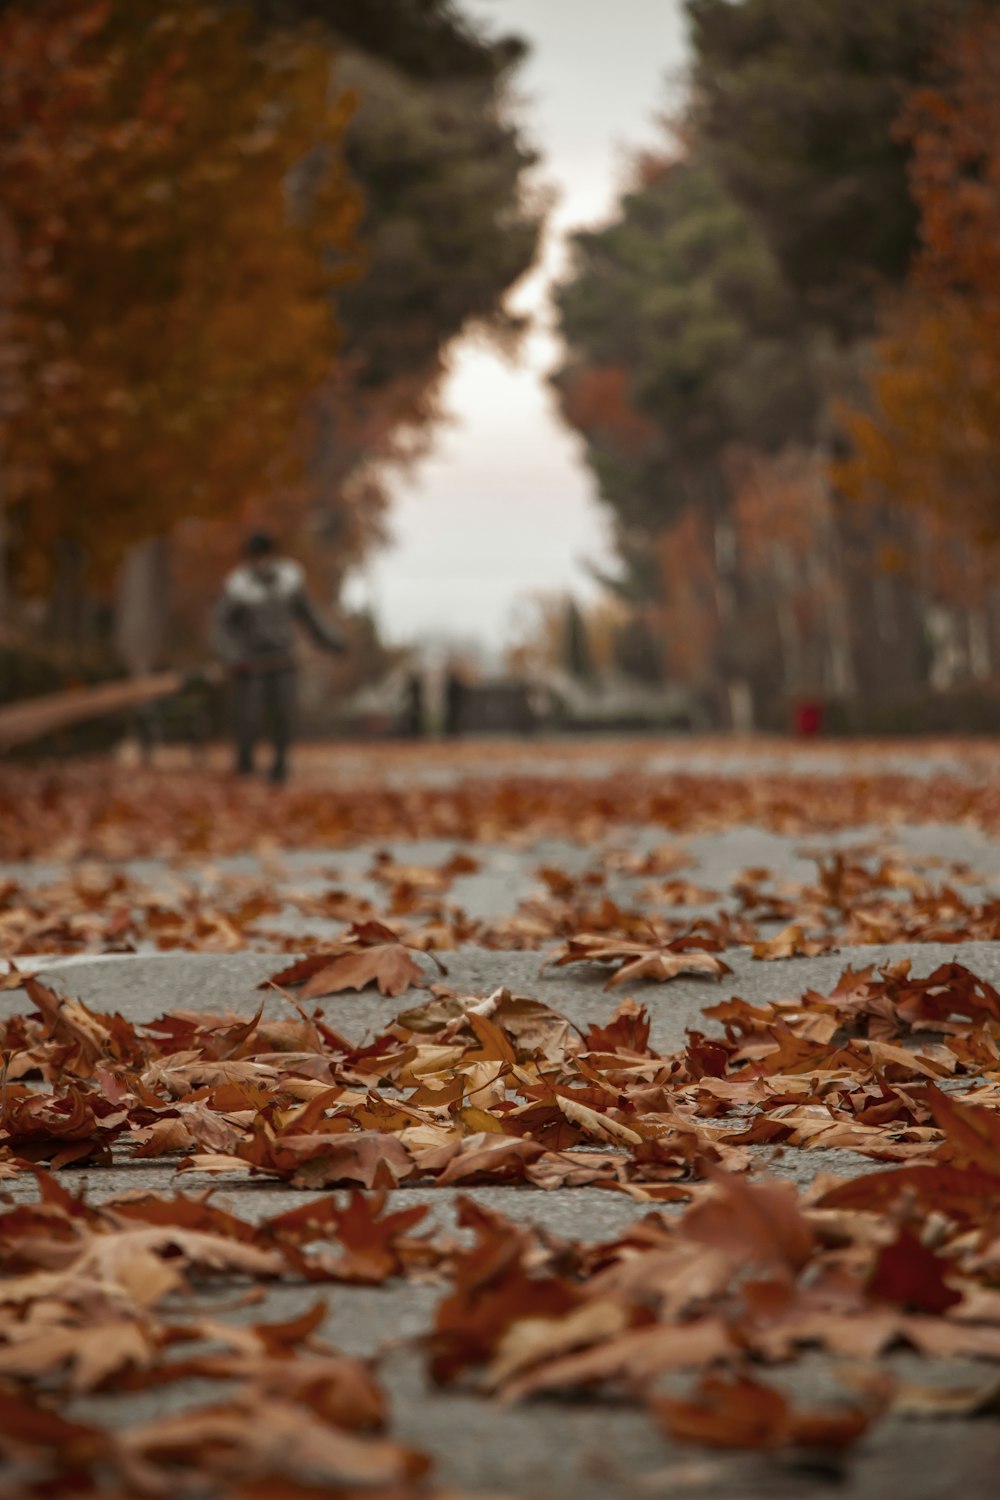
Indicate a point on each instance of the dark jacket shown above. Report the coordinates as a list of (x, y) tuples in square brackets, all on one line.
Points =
[(257, 616)]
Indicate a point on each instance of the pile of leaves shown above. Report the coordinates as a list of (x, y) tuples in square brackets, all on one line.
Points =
[(96, 907), (94, 811), (464, 1090), (749, 1277), (692, 1313), (862, 896), (458, 1089), (99, 1300)]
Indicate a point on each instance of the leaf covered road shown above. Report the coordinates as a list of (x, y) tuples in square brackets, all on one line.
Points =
[(528, 1187)]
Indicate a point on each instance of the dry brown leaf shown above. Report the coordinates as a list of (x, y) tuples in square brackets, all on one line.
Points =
[(635, 1358), (92, 1353), (930, 1402), (638, 960), (743, 1413), (275, 1437), (596, 1125), (790, 942), (536, 1341)]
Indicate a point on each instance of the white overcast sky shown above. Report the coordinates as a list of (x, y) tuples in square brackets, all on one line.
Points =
[(505, 507)]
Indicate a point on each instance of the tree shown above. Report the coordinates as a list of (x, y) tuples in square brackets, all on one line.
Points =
[(932, 436), (637, 649), (424, 39), (796, 104), (555, 633), (713, 326), (173, 306), (681, 339), (795, 622), (702, 396), (576, 657), (448, 227)]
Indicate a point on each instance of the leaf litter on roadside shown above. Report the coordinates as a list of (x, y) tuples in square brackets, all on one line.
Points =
[(93, 1300), (87, 810), (459, 1090), (369, 953), (860, 896), (641, 960), (465, 1089)]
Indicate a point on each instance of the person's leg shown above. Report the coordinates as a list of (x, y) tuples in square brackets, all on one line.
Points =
[(281, 710), (246, 695)]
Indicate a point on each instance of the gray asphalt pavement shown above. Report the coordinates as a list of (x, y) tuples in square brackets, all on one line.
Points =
[(581, 1451), (144, 986), (565, 1451)]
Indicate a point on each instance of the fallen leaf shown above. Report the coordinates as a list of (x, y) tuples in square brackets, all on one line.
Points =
[(910, 1275), (638, 960), (790, 942), (742, 1413)]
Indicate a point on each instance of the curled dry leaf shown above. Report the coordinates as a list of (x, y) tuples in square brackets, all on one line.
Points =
[(484, 1157), (743, 1413), (631, 1359), (92, 1353), (261, 1438), (638, 960), (957, 1403), (369, 1159), (790, 942)]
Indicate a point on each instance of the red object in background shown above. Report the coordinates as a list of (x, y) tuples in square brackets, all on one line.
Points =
[(808, 719)]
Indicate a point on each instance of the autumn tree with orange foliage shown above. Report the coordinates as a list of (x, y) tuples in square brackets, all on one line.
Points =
[(716, 327), (683, 342), (932, 437), (178, 217)]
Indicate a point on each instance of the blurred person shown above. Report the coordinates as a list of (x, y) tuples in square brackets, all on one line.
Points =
[(262, 602)]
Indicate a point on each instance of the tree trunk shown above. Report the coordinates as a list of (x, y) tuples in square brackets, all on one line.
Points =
[(4, 578), (980, 661), (67, 615), (142, 605)]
